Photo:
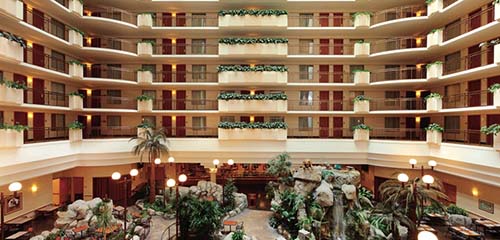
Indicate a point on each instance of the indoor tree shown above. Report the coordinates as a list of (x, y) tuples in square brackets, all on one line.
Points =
[(152, 144)]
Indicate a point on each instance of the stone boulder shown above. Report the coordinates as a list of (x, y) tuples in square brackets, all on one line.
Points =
[(456, 219), (324, 194), (308, 174), (349, 191), (207, 190), (340, 177)]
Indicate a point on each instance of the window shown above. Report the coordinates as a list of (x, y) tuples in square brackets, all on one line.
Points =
[(114, 96), (58, 93), (354, 121), (57, 122), (391, 98), (391, 122), (452, 94), (306, 19), (305, 123), (199, 123), (114, 44), (452, 122), (306, 72), (276, 119), (452, 62), (57, 61), (452, 30), (114, 71), (149, 119), (199, 97), (392, 72), (151, 93), (227, 119), (57, 28), (199, 73), (306, 46), (306, 98), (198, 46), (199, 20), (114, 121)]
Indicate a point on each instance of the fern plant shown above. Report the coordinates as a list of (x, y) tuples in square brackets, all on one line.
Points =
[(434, 127)]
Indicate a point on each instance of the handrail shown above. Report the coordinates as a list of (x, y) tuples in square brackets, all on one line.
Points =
[(399, 13), (469, 61), (462, 26), (167, 230), (398, 43)]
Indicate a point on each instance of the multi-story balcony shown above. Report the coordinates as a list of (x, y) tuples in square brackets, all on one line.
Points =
[(468, 99), (472, 60), (386, 45), (472, 21), (43, 97), (325, 20), (309, 48), (253, 106), (184, 104), (399, 13), (46, 134), (398, 74), (55, 61)]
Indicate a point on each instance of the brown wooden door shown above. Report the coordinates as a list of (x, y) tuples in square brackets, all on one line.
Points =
[(95, 101), (491, 81), (474, 56), (180, 126), (24, 80), (95, 126), (83, 119), (259, 119), (180, 46), (38, 91), (180, 103), (245, 119), (180, 73), (95, 70), (166, 46), (38, 126), (38, 19), (338, 46), (338, 19), (167, 125), (38, 55), (473, 126), (77, 188), (324, 127), (491, 119), (95, 42), (167, 100), (338, 124), (22, 118), (167, 19), (474, 90), (65, 189), (324, 46), (324, 20), (411, 126), (180, 20), (244, 92), (259, 92), (338, 98), (475, 19), (324, 73), (167, 73), (338, 73), (324, 100)]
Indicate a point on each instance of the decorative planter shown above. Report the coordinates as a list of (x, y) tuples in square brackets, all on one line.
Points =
[(144, 77), (435, 71), (253, 21), (362, 20), (361, 78), (144, 20), (145, 106), (253, 78), (497, 12), (271, 106), (141, 132), (496, 98), (76, 70), (75, 135), (76, 6), (11, 49), (496, 50), (434, 6), (144, 48), (362, 107), (361, 49), (252, 134), (259, 49), (434, 104), (11, 95), (11, 138), (75, 103), (434, 137), (435, 38), (361, 135), (75, 38), (496, 142), (13, 7)]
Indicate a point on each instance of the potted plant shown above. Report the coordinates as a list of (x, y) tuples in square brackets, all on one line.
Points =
[(75, 131), (145, 19), (75, 69), (434, 102), (235, 102), (434, 70), (145, 75), (145, 47), (75, 36), (434, 133), (143, 127), (435, 37), (361, 104), (433, 6), (361, 132), (361, 48), (493, 129), (253, 18), (12, 92), (252, 131), (495, 89), (12, 135), (253, 46), (260, 74), (361, 77), (13, 7), (12, 46), (144, 103), (75, 101), (362, 19), (76, 6), (496, 48)]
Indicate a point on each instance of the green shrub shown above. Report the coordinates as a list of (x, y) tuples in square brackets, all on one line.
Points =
[(145, 125), (361, 126), (435, 30), (152, 42), (235, 41), (78, 31), (228, 195), (360, 98), (76, 125), (238, 96), (454, 209), (14, 38), (492, 129), (434, 127), (258, 68), (433, 95), (238, 235), (434, 63), (12, 84), (254, 125), (253, 12), (16, 127), (76, 94), (143, 98), (494, 87)]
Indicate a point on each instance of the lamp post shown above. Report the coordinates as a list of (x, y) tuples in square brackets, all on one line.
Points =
[(171, 160), (230, 163), (14, 188), (117, 176), (170, 184), (431, 163), (403, 178), (428, 179)]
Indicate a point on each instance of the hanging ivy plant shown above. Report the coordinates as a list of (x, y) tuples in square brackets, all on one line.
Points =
[(492, 129), (434, 127), (76, 125), (253, 12), (433, 63), (78, 31), (76, 62), (258, 68), (433, 95), (362, 126), (12, 84), (16, 127), (152, 42), (254, 125), (234, 41), (238, 96), (493, 88), (143, 98), (361, 98), (14, 38), (76, 94)]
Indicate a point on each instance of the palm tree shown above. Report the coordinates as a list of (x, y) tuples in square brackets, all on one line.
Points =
[(152, 143), (390, 216), (412, 196)]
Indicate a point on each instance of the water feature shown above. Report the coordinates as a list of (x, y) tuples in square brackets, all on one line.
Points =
[(338, 228)]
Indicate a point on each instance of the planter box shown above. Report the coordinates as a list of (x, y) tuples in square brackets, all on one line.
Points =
[(76, 6), (75, 135), (435, 38), (141, 132), (434, 104), (144, 49), (496, 50), (435, 71), (253, 21), (11, 49), (361, 49), (144, 77), (271, 106), (496, 142), (252, 134), (496, 98), (75, 38), (497, 12), (145, 106), (11, 138), (434, 137), (13, 7), (361, 78), (250, 50), (11, 95), (258, 78), (434, 7), (144, 20), (361, 135), (75, 103), (362, 21), (76, 71), (362, 107)]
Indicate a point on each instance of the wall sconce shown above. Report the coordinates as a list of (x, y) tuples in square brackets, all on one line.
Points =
[(89, 65), (174, 41), (89, 13), (174, 66), (174, 14), (418, 13), (30, 80), (252, 92), (89, 41), (174, 92), (252, 118), (30, 115), (89, 92), (419, 41), (29, 43), (475, 192), (252, 65), (417, 119), (418, 93), (89, 117), (34, 188), (174, 118)]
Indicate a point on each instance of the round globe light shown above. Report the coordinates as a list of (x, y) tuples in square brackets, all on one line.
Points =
[(432, 163), (413, 161), (134, 172), (402, 177), (428, 179), (230, 162), (425, 235), (157, 161), (116, 176), (15, 186), (216, 162), (183, 178), (170, 182), (171, 159)]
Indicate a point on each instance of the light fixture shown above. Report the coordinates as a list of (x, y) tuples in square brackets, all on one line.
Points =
[(402, 177), (34, 188), (89, 117), (216, 162), (116, 176), (432, 164), (89, 92), (230, 162), (418, 93), (15, 187), (475, 192), (426, 235), (428, 179), (134, 172), (171, 159), (252, 119), (157, 161), (413, 162), (182, 178), (30, 115), (170, 183), (417, 119)]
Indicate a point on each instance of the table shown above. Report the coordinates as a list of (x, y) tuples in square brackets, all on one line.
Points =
[(17, 235), (230, 223), (424, 227), (487, 225), (466, 232)]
